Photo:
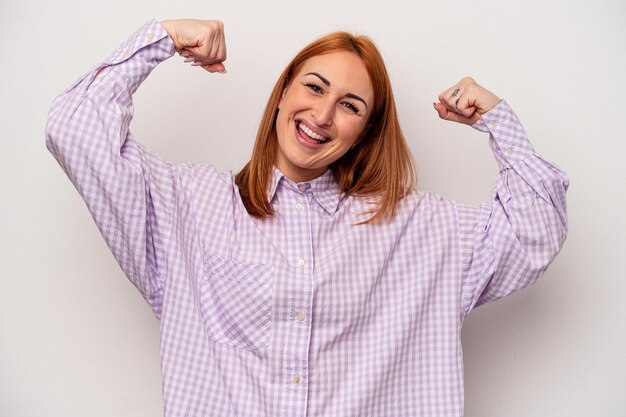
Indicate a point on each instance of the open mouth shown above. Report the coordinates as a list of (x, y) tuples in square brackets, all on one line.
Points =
[(310, 134)]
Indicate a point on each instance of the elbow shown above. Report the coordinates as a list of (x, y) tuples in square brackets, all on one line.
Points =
[(54, 128), (546, 237), (60, 126), (546, 247), (63, 121), (51, 137)]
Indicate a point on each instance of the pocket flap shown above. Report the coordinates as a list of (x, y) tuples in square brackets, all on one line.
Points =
[(237, 271)]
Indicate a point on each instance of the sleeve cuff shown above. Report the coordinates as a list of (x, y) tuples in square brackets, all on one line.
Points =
[(139, 55), (150, 33), (507, 137)]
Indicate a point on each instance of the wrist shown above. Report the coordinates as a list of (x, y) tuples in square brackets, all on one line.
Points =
[(492, 102), (169, 27)]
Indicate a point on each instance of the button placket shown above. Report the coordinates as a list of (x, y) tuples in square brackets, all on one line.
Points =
[(297, 312)]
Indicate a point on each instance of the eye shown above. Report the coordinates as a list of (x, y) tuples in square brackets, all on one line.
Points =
[(350, 106), (314, 87)]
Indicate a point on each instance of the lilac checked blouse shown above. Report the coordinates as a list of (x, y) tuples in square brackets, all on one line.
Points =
[(302, 314)]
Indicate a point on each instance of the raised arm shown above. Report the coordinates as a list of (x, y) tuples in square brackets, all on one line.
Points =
[(508, 243), (129, 190)]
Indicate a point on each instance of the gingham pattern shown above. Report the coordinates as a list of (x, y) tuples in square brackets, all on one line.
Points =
[(302, 314)]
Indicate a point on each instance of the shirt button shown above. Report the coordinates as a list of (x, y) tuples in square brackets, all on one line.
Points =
[(495, 124), (301, 262), (299, 316), (296, 379), (126, 53), (299, 207), (301, 187), (510, 150), (150, 36)]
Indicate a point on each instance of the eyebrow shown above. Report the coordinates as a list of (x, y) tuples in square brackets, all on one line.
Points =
[(349, 95)]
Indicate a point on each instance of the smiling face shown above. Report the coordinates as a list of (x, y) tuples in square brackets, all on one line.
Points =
[(322, 113)]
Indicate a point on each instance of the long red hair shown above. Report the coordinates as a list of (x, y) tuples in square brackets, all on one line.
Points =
[(379, 166)]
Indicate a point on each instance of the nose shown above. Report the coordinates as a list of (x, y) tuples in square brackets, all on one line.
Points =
[(323, 112)]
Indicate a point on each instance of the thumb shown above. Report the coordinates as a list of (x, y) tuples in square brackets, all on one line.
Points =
[(217, 67), (441, 110)]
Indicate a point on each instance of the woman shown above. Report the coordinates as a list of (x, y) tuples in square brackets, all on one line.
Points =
[(316, 281)]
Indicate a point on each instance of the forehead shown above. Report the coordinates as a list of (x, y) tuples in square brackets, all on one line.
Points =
[(345, 71)]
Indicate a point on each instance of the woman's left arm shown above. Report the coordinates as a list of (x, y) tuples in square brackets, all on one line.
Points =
[(508, 243)]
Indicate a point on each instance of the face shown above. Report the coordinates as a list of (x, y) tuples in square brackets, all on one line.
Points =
[(322, 113)]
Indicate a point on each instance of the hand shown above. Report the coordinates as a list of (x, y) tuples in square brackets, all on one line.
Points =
[(200, 41), (465, 102)]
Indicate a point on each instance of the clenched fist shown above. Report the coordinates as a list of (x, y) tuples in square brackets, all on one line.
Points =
[(465, 102), (200, 41)]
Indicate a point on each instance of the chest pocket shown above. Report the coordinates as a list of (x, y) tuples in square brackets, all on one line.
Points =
[(236, 302)]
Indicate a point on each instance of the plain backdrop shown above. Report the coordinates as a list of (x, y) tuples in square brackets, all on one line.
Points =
[(76, 339)]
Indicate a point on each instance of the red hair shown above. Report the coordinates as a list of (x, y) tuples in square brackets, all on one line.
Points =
[(380, 164)]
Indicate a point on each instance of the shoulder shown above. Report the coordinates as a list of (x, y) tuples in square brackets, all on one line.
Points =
[(206, 186), (429, 211), (425, 200), (205, 175), (418, 206)]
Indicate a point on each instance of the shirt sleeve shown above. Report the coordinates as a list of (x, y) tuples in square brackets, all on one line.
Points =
[(508, 244), (129, 190)]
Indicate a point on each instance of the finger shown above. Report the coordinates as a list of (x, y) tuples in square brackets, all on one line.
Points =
[(218, 49), (217, 67), (449, 97), (459, 100), (211, 54), (200, 61), (209, 44), (205, 52), (464, 106), (441, 110), (446, 114), (221, 50), (190, 53)]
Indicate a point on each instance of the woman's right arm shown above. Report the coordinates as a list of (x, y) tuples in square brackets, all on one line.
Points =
[(129, 190)]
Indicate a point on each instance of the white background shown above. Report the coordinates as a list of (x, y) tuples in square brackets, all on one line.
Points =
[(76, 339)]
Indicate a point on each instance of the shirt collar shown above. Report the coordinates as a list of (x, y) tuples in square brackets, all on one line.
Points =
[(325, 190)]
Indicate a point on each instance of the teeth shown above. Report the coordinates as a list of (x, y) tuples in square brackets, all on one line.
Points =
[(311, 133)]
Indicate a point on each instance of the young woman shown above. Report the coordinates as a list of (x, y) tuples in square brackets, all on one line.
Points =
[(317, 281)]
